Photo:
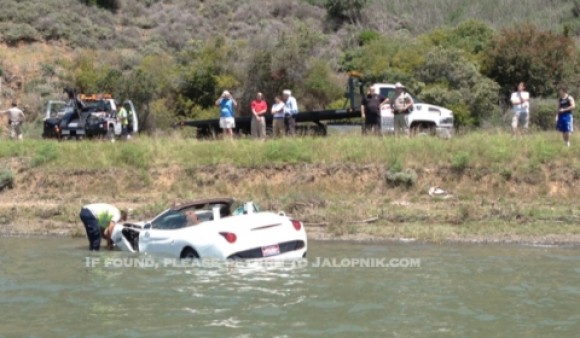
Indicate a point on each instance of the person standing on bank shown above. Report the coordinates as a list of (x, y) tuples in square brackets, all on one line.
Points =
[(278, 124), (99, 220), (15, 121), (564, 119), (402, 106), (290, 111), (227, 120), (123, 117), (259, 109), (371, 111), (520, 101)]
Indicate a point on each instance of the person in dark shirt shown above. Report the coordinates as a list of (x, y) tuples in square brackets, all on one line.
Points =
[(564, 119), (371, 111)]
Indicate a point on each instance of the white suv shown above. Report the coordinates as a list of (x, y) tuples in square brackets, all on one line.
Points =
[(423, 118)]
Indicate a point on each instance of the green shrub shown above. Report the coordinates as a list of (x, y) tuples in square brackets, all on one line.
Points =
[(19, 32), (345, 10), (280, 151), (320, 87), (46, 153), (541, 59), (6, 179), (405, 178), (543, 113), (396, 165), (111, 5), (455, 81), (367, 36), (460, 162), (134, 156)]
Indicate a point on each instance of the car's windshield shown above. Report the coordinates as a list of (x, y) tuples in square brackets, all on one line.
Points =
[(195, 214), (97, 106), (171, 219), (57, 108)]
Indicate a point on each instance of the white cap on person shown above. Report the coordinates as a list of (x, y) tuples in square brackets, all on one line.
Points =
[(399, 85), (286, 92), (226, 93)]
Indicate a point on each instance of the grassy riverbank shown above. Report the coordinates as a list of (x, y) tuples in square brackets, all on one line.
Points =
[(346, 186)]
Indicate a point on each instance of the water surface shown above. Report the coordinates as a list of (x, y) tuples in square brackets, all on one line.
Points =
[(46, 290)]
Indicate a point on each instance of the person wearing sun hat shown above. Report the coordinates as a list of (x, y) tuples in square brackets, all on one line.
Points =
[(402, 106), (227, 121)]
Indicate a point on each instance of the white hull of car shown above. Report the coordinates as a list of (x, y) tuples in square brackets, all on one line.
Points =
[(249, 236)]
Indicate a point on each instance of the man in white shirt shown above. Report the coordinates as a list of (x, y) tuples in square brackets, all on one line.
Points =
[(290, 111), (15, 120), (520, 101), (278, 125)]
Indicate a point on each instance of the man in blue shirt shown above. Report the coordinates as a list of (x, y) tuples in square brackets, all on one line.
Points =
[(227, 120), (290, 112)]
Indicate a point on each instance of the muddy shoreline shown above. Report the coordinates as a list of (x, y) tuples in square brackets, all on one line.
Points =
[(547, 241)]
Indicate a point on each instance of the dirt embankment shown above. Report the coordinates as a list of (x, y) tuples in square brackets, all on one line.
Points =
[(344, 201)]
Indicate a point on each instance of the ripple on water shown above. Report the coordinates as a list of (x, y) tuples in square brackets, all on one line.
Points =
[(475, 291)]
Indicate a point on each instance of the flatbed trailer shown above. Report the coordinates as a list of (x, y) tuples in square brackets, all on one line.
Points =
[(307, 123)]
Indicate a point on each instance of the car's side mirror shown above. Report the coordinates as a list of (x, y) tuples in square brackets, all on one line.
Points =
[(147, 226)]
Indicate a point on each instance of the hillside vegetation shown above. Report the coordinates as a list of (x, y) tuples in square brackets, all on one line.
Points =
[(173, 57)]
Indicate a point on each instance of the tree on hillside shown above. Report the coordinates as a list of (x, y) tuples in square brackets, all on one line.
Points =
[(112, 5), (204, 72), (471, 36), (452, 81), (283, 65), (320, 88), (345, 10), (147, 86), (542, 59)]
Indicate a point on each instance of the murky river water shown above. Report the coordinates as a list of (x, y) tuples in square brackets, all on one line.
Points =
[(47, 290)]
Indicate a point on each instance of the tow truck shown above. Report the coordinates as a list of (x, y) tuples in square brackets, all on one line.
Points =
[(424, 117), (87, 115)]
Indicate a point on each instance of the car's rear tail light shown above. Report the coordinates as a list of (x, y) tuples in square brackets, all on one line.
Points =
[(229, 236), (297, 224)]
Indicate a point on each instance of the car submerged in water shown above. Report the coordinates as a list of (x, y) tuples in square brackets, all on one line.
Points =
[(211, 229)]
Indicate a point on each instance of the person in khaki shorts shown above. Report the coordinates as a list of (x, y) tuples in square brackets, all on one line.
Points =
[(259, 109), (520, 101), (15, 120), (402, 105), (278, 124)]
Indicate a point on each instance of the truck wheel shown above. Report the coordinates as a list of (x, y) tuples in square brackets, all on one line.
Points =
[(111, 133), (423, 129)]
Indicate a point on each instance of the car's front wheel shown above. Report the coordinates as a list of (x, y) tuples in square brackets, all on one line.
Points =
[(188, 253)]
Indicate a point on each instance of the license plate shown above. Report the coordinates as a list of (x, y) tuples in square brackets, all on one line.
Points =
[(65, 132), (270, 250)]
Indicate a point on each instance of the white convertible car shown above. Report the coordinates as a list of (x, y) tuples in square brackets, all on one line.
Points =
[(209, 229)]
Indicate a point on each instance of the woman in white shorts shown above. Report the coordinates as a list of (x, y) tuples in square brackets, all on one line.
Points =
[(520, 101), (227, 120)]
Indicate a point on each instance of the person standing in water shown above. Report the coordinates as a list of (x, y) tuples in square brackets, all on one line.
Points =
[(99, 220)]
